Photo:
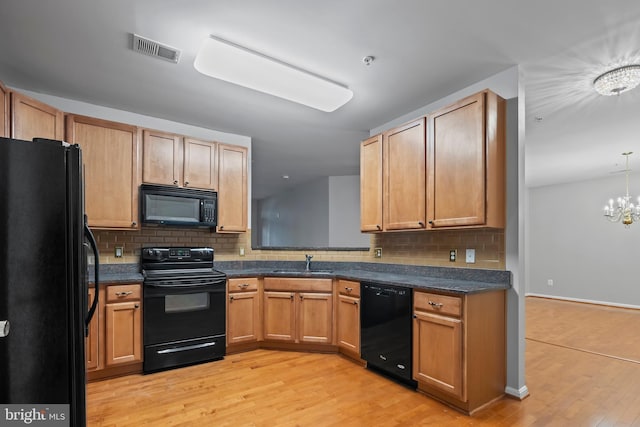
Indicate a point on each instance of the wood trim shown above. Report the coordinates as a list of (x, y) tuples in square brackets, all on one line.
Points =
[(4, 111), (371, 188), (496, 170)]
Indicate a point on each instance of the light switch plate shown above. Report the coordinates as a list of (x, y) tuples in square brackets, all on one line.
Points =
[(471, 256)]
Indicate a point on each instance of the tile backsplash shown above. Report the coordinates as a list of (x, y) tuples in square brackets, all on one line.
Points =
[(415, 248)]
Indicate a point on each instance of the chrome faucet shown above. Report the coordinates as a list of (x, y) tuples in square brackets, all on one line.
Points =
[(308, 258)]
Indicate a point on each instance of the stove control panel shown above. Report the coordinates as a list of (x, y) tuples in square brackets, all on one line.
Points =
[(176, 255)]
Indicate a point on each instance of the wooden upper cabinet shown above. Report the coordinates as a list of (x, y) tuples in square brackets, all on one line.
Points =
[(404, 173), (232, 192), (4, 111), (110, 152), (162, 158), (371, 184), (170, 159), (200, 164), (466, 185), (31, 118)]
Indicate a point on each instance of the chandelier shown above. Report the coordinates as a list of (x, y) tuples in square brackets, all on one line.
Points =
[(618, 80), (624, 210)]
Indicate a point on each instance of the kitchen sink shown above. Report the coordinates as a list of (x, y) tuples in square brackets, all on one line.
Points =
[(305, 272)]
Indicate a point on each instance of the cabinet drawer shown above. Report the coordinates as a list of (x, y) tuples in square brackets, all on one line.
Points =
[(348, 287), (243, 285), (297, 285), (120, 293), (435, 303)]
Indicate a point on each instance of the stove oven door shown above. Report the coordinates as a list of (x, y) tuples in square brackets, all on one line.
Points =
[(183, 325)]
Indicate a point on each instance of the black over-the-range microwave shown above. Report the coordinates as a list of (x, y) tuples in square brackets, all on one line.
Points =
[(175, 206)]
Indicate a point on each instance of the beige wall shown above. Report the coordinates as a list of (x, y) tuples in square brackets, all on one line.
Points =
[(416, 248)]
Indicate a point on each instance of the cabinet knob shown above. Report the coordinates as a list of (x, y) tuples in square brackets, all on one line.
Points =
[(348, 290), (435, 304), (186, 183), (136, 306), (355, 303), (414, 316), (292, 297), (378, 227), (133, 224), (431, 222), (421, 224), (175, 182), (231, 298), (123, 294), (221, 227)]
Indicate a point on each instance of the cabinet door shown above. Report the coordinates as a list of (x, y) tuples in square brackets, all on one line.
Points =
[(111, 157), (279, 316), (232, 191), (371, 184), (91, 341), (123, 333), (349, 323), (244, 317), (457, 164), (162, 158), (437, 352), (200, 164), (34, 119), (315, 317), (404, 152), (4, 111)]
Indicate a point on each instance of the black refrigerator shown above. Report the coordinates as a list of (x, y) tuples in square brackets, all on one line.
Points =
[(44, 244)]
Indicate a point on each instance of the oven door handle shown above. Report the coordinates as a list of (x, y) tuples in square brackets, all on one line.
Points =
[(186, 348), (183, 286)]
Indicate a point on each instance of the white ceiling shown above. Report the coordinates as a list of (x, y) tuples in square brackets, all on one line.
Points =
[(424, 51)]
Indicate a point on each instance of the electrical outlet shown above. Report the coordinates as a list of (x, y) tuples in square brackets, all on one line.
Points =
[(550, 282), (471, 256), (377, 252), (453, 253), (118, 251), (241, 251)]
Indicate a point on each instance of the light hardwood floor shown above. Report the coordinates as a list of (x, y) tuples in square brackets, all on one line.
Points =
[(582, 369)]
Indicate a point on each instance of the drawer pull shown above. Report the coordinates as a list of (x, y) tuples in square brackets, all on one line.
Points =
[(123, 294), (243, 285), (348, 289), (435, 304)]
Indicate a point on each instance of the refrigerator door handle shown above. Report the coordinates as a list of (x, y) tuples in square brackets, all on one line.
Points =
[(96, 265), (4, 328)]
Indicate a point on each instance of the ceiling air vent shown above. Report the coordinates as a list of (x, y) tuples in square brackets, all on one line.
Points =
[(155, 49)]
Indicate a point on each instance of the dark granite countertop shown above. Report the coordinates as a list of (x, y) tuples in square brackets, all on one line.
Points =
[(443, 279)]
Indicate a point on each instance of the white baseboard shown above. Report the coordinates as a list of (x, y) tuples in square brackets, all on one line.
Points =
[(520, 393), (587, 301)]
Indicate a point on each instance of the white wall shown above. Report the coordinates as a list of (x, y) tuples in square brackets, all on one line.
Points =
[(344, 213), (587, 257)]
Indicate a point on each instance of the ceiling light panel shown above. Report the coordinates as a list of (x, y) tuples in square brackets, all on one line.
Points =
[(235, 64)]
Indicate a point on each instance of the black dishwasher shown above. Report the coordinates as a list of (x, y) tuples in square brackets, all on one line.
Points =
[(386, 325)]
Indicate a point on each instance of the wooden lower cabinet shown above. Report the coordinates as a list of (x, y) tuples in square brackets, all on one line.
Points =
[(114, 344), (459, 347), (244, 323), (298, 310), (348, 317)]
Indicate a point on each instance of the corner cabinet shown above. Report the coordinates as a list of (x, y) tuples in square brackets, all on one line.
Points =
[(244, 320), (459, 347), (371, 184), (110, 152), (31, 118), (467, 166), (114, 344), (232, 192), (4, 111)]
